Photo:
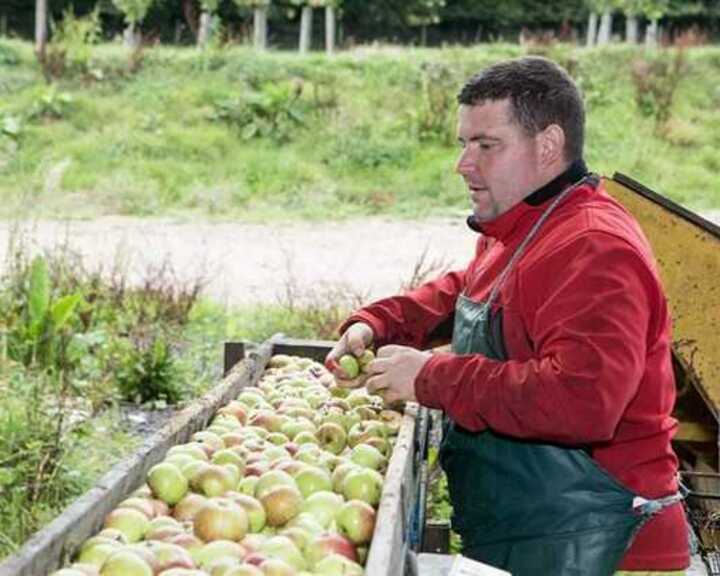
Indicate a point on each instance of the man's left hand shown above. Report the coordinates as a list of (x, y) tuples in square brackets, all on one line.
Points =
[(393, 372)]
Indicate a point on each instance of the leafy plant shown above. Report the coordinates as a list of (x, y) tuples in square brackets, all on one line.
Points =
[(656, 81), (8, 55), (51, 104), (70, 50), (273, 112), (433, 119)]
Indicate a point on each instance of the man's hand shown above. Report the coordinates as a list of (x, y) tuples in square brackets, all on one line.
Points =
[(393, 372), (354, 340)]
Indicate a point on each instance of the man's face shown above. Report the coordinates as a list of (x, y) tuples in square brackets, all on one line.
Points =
[(499, 161)]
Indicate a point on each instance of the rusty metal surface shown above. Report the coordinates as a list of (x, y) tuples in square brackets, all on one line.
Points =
[(687, 249)]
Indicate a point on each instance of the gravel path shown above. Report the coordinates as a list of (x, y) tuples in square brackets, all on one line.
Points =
[(250, 263)]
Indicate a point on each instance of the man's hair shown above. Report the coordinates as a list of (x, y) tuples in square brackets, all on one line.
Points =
[(541, 93)]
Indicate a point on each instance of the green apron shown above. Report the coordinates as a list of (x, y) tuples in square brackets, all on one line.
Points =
[(530, 508)]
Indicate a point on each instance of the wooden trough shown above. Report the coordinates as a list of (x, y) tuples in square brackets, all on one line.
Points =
[(398, 516)]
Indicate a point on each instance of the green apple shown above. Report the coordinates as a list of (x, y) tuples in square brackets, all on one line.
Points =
[(220, 519), (332, 437), (130, 522), (336, 565), (350, 366), (363, 484), (167, 483), (356, 521), (283, 548), (312, 479), (125, 563), (323, 506), (368, 457)]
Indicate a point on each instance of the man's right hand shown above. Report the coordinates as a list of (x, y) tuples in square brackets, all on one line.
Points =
[(354, 340)]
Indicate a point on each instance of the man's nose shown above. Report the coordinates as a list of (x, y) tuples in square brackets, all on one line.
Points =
[(465, 162)]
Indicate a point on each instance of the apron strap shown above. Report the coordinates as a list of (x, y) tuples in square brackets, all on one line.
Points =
[(645, 507)]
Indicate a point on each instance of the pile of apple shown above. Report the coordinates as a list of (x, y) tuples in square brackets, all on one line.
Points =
[(285, 481)]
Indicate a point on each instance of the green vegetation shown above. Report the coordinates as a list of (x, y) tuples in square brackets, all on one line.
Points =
[(227, 132)]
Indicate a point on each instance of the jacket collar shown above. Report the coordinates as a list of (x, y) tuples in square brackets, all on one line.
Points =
[(502, 226)]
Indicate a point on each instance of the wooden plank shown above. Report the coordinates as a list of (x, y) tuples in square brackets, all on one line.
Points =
[(315, 349), (390, 540), (54, 545)]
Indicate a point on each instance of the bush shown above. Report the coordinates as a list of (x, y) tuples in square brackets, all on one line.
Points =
[(70, 50)]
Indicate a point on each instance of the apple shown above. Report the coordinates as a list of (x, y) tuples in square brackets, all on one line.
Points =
[(213, 551), (392, 421), (254, 510), (307, 522), (190, 469), (268, 419), (69, 572), (339, 473), (366, 412), (187, 507), (332, 437), (167, 483), (290, 466), (130, 522), (113, 534), (365, 359), (251, 398), (193, 449), (337, 565), (350, 366), (221, 566), (282, 503), (329, 543), (300, 536), (363, 484), (273, 453), (323, 506), (184, 572), (305, 437), (169, 556), (283, 548), (188, 541), (214, 480), (312, 479), (125, 563), (364, 430), (248, 484), (276, 567), (210, 440), (271, 479), (85, 569), (381, 444), (220, 519), (278, 438), (244, 570), (368, 457), (235, 409), (293, 427), (96, 553), (356, 521), (229, 456)]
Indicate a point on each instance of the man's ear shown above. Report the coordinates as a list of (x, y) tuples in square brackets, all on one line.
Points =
[(551, 145)]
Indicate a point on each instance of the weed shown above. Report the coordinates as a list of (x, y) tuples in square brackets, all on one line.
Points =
[(656, 81)]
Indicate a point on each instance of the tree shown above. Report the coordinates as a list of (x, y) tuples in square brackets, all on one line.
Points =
[(41, 10), (632, 9), (209, 7), (260, 11), (134, 12), (653, 10), (605, 9), (423, 14)]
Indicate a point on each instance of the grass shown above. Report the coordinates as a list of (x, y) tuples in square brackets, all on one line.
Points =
[(168, 141)]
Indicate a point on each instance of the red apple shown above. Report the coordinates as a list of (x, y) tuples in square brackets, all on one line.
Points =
[(282, 503), (356, 521)]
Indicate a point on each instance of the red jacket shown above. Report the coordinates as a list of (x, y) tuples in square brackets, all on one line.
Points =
[(587, 330)]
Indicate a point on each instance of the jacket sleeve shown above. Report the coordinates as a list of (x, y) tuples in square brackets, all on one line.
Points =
[(416, 317), (588, 309)]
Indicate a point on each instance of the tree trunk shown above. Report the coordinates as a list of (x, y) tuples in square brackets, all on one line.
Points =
[(305, 29), (631, 29), (260, 28), (330, 29), (3, 24), (191, 17), (131, 37), (204, 29), (591, 30), (651, 34), (40, 27), (423, 35), (605, 31)]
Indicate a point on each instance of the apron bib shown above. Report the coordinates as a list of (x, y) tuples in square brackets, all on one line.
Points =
[(531, 508)]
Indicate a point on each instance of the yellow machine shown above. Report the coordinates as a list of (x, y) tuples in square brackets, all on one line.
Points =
[(687, 248)]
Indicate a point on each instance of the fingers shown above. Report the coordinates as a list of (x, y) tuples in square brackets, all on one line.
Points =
[(377, 384), (390, 350)]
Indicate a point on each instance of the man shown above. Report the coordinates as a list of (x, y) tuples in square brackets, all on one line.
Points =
[(559, 387)]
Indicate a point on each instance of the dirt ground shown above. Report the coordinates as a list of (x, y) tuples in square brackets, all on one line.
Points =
[(251, 263)]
